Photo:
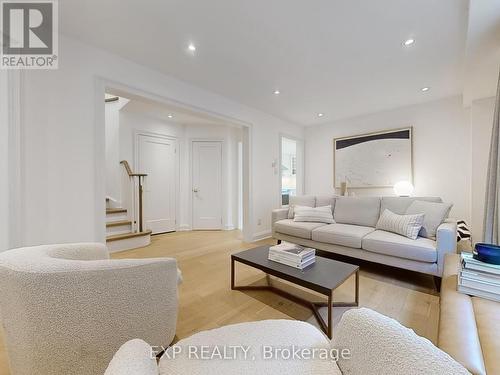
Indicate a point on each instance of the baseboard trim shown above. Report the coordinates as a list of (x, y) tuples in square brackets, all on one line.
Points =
[(184, 228), (261, 235), (228, 227)]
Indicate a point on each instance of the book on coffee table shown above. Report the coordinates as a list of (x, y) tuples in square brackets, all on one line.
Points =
[(292, 255)]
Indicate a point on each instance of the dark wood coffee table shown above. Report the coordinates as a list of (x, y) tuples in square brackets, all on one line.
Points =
[(324, 276)]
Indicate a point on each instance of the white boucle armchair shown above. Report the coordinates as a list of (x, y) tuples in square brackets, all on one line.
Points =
[(372, 344), (66, 309)]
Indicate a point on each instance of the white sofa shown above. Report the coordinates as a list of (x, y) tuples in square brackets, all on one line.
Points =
[(365, 343), (66, 309), (354, 233)]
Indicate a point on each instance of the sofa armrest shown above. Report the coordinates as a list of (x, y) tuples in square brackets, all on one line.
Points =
[(446, 241), (279, 214), (135, 357), (380, 345)]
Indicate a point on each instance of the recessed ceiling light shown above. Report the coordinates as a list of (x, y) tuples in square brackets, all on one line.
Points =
[(321, 114), (170, 115), (409, 42), (424, 89), (192, 47), (277, 92)]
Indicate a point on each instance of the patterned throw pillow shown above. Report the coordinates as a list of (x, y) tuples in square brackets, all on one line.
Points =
[(314, 214), (405, 225)]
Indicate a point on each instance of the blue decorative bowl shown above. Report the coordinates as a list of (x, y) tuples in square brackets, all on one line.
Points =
[(487, 253)]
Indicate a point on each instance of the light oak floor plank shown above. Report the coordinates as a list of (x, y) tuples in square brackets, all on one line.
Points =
[(206, 300)]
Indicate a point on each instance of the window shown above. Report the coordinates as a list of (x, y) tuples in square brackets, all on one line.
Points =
[(288, 169)]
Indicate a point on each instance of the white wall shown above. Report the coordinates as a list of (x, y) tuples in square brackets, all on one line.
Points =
[(441, 150), (4, 160), (481, 119), (63, 153)]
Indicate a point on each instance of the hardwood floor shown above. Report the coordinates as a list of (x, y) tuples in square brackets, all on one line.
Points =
[(206, 300)]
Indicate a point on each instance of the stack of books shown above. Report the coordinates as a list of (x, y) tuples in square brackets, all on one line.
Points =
[(478, 278), (292, 255)]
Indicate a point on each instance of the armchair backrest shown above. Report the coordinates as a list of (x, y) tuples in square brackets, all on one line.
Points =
[(66, 309)]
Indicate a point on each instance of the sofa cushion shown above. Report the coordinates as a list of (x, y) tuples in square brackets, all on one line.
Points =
[(325, 200), (363, 211), (435, 215), (382, 242), (399, 205), (297, 229), (341, 234), (300, 200)]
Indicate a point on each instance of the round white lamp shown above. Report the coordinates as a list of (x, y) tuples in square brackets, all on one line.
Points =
[(403, 188)]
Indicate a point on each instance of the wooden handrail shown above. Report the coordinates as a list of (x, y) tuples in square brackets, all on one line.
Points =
[(141, 190), (112, 99), (129, 170)]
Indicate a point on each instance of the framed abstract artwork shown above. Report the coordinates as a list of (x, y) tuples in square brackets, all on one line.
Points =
[(373, 160)]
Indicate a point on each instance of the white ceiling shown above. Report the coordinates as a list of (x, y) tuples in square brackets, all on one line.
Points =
[(162, 111), (339, 57)]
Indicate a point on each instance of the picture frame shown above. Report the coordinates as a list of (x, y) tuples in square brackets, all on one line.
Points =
[(374, 160)]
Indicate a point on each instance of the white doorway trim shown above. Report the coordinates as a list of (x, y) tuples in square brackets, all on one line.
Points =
[(101, 85), (136, 134), (300, 165), (223, 179)]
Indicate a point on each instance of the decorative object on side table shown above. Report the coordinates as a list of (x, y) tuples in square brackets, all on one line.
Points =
[(403, 188), (478, 278), (487, 253)]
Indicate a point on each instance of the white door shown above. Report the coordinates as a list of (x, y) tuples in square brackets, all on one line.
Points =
[(157, 158), (207, 185)]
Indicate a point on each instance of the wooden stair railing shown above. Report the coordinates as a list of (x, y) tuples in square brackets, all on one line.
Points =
[(140, 177)]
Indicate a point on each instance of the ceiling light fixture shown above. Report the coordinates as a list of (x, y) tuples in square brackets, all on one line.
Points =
[(320, 114), (424, 89), (192, 47), (409, 42), (277, 92), (170, 115)]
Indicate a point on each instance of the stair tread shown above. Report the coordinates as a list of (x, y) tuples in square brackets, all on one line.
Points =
[(115, 210), (124, 236), (118, 223)]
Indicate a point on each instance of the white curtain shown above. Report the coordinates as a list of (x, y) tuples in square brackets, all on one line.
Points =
[(491, 208)]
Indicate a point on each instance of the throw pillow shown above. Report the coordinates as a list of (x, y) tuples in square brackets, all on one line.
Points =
[(405, 225), (300, 200), (435, 215), (314, 214)]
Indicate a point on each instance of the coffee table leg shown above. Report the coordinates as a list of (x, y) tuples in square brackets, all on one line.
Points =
[(330, 323), (357, 288), (232, 273)]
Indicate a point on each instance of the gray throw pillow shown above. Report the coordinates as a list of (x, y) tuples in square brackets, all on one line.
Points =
[(405, 225), (314, 214), (435, 215), (300, 200)]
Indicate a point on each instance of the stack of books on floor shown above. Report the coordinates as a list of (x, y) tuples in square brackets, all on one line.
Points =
[(292, 255), (478, 278)]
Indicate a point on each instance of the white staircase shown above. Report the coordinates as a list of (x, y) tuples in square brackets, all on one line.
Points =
[(119, 232)]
